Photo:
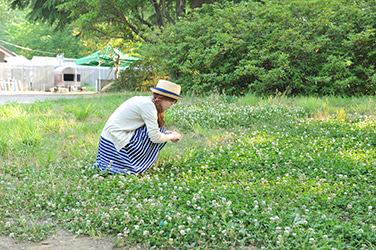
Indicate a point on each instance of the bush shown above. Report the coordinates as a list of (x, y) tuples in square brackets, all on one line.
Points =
[(139, 76), (296, 47)]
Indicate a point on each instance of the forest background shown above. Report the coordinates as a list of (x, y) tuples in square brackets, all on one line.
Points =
[(264, 47)]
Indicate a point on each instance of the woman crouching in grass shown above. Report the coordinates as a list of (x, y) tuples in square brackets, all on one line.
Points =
[(134, 134)]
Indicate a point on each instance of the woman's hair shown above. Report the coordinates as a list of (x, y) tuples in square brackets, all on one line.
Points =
[(161, 121)]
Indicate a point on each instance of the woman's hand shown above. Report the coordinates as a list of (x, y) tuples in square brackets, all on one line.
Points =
[(173, 136)]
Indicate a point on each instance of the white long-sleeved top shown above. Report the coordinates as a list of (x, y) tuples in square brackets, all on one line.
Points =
[(131, 115)]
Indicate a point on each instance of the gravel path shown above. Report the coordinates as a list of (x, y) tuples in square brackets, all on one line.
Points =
[(30, 97)]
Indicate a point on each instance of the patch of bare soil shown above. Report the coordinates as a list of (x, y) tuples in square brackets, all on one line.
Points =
[(61, 240)]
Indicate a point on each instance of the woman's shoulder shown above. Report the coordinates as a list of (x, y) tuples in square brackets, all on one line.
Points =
[(140, 99), (144, 102)]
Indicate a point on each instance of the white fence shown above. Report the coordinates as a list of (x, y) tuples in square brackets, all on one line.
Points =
[(41, 77), (90, 74), (25, 77)]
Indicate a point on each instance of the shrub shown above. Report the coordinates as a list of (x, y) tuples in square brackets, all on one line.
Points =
[(296, 47), (139, 76)]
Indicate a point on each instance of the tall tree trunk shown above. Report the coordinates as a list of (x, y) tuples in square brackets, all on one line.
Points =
[(158, 13), (180, 7)]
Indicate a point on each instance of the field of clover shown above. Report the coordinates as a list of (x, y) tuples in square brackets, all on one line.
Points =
[(283, 173)]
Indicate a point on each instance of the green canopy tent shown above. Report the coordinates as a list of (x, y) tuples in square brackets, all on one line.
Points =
[(109, 57)]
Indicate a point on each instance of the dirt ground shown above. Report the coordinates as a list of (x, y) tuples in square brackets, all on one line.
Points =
[(62, 240), (30, 97)]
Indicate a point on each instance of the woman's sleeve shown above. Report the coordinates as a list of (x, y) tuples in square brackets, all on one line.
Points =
[(149, 115)]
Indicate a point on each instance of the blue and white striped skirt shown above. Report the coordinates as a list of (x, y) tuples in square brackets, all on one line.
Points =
[(135, 158)]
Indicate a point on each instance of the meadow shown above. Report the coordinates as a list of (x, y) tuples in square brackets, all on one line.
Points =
[(249, 173)]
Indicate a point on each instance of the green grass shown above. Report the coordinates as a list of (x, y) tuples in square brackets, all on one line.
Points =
[(273, 173)]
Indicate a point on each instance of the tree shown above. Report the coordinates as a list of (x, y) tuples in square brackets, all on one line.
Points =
[(36, 36), (125, 19), (44, 11), (309, 47), (7, 17)]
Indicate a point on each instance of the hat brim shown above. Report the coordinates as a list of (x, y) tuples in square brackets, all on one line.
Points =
[(166, 93)]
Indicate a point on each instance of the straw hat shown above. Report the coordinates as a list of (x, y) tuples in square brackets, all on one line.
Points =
[(167, 88)]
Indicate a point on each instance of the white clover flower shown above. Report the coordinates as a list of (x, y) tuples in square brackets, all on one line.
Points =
[(119, 236), (311, 240), (182, 232), (136, 227), (325, 237), (311, 230), (370, 208), (278, 229), (126, 231), (349, 206), (146, 233)]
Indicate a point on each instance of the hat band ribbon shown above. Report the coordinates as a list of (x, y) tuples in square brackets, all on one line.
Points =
[(166, 91)]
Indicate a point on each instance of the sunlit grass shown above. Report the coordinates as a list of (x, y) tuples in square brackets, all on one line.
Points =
[(249, 172)]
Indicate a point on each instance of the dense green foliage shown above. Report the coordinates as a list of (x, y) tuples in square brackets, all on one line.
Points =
[(139, 76), (277, 173), (295, 47), (36, 36), (43, 11)]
